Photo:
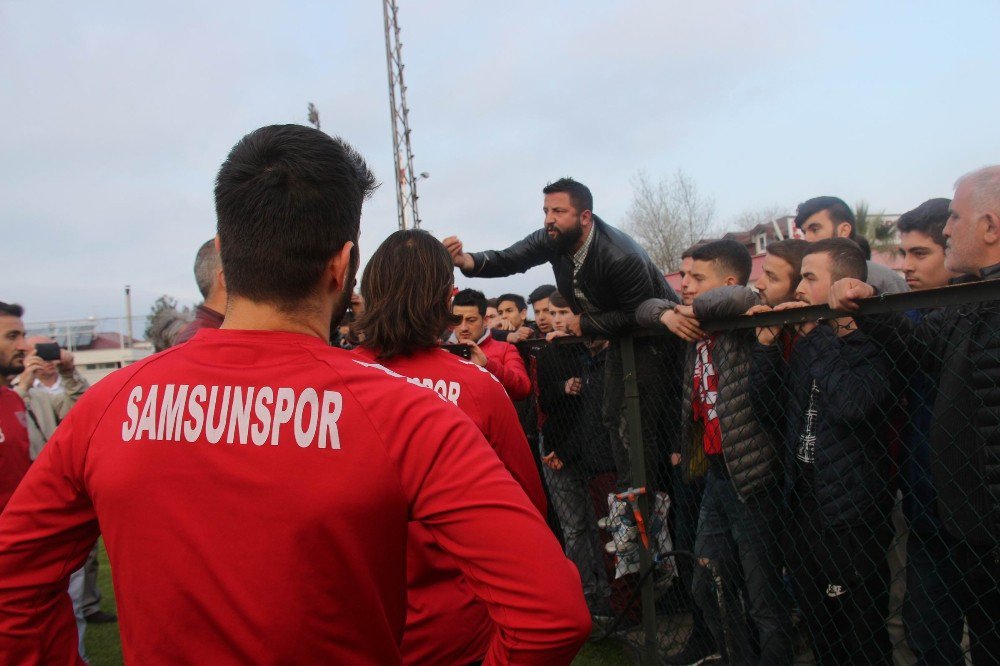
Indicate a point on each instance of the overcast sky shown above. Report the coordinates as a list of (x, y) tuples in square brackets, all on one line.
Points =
[(116, 116)]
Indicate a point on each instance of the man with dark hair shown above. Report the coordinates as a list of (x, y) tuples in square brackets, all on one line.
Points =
[(259, 443), (407, 288), (604, 275), (212, 285), (958, 346), (739, 518), (14, 440), (932, 618), (831, 399), (829, 217), (780, 275), (500, 358), (513, 310), (539, 301), (574, 452)]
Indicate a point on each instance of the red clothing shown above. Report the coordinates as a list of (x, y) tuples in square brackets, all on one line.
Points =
[(14, 457), (504, 361), (706, 392), (203, 318), (254, 489), (445, 623)]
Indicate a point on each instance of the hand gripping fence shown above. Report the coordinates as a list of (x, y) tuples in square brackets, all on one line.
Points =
[(831, 497)]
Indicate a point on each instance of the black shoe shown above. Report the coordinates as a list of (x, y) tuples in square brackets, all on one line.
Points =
[(691, 655), (100, 617)]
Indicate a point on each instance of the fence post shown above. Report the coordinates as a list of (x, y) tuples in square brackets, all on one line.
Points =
[(637, 460)]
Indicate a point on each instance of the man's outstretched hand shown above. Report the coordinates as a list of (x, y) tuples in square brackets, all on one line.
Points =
[(460, 258)]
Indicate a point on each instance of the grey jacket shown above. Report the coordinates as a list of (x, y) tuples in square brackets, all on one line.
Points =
[(750, 449), (886, 280), (46, 410)]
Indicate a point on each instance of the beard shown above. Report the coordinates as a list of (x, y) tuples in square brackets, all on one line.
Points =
[(12, 366), (563, 241), (344, 298)]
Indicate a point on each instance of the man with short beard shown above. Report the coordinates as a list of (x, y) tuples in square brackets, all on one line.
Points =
[(604, 275), (14, 441)]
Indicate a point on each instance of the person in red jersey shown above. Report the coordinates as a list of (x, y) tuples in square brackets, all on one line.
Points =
[(407, 286), (14, 441), (500, 358), (258, 445)]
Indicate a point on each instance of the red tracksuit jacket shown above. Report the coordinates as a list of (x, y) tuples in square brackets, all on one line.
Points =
[(504, 361), (14, 457), (445, 622), (254, 491)]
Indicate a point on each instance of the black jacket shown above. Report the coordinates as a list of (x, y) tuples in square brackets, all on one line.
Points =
[(852, 462), (573, 427), (751, 449), (616, 277), (959, 346)]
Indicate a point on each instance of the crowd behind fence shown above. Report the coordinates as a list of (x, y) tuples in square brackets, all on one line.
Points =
[(848, 513)]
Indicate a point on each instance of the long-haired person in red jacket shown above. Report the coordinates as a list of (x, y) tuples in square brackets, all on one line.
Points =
[(407, 288), (254, 486)]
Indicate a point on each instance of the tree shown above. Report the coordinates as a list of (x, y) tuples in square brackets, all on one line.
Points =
[(881, 233), (749, 219), (164, 321), (668, 216)]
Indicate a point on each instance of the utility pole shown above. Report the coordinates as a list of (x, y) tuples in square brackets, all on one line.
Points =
[(406, 182)]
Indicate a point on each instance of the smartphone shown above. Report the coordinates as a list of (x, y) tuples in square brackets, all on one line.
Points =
[(463, 351), (48, 351)]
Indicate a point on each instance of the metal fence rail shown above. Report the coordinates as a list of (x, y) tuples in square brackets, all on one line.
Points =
[(849, 512)]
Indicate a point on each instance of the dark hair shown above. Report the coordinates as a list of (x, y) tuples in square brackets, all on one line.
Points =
[(558, 300), (287, 198), (406, 285), (541, 293), (791, 251), (11, 310), (928, 218), (846, 258), (691, 250), (839, 211), (492, 303), (731, 256), (206, 262), (471, 297), (579, 194), (518, 301)]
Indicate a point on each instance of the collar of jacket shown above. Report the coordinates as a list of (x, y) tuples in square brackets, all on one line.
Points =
[(990, 272)]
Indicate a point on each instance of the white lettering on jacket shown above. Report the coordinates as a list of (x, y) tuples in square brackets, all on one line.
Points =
[(234, 414)]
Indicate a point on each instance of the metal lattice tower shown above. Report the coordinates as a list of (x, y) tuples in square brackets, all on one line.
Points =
[(406, 181)]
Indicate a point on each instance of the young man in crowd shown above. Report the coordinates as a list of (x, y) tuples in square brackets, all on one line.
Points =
[(407, 286), (259, 443), (829, 217), (831, 400), (959, 347), (500, 358), (740, 510), (931, 616), (575, 448), (539, 301)]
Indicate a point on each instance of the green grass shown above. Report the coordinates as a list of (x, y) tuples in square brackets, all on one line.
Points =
[(104, 646)]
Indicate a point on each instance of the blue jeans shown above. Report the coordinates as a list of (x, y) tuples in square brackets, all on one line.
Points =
[(736, 534), (931, 614)]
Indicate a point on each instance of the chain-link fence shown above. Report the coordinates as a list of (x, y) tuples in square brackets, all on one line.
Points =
[(803, 486)]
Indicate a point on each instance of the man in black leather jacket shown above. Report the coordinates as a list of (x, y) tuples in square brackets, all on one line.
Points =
[(604, 275)]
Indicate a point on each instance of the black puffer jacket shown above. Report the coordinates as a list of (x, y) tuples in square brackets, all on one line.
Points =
[(959, 345), (616, 277), (852, 460), (751, 450)]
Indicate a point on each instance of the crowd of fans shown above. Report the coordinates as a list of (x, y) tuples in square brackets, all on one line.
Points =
[(777, 454)]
